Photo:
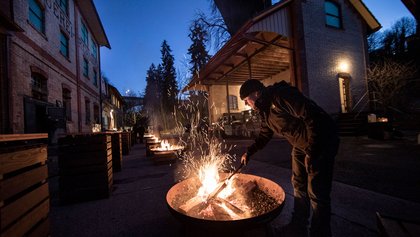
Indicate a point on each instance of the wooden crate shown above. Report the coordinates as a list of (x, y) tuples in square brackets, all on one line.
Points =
[(116, 152), (85, 167), (164, 157), (24, 194), (150, 144), (126, 142)]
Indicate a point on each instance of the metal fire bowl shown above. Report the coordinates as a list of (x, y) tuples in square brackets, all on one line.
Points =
[(189, 185)]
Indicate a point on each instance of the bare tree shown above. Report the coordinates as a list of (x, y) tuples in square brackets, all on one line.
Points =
[(374, 41), (215, 25), (392, 42), (386, 80)]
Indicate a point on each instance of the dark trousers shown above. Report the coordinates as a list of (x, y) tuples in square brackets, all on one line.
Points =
[(312, 181)]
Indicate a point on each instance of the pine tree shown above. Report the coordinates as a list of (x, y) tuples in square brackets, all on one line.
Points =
[(151, 95), (169, 87), (197, 50), (199, 58)]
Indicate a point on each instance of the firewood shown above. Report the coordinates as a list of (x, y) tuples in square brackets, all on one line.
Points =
[(232, 207), (190, 204), (219, 213)]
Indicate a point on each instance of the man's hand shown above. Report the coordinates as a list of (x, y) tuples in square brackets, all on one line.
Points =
[(245, 158)]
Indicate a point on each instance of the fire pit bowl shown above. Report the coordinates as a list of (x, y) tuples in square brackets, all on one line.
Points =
[(164, 156), (187, 189)]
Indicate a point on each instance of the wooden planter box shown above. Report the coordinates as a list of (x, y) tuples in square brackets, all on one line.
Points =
[(116, 152), (24, 194), (151, 143), (126, 142), (85, 167), (164, 157)]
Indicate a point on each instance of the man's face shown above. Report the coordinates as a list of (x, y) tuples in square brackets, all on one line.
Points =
[(250, 100)]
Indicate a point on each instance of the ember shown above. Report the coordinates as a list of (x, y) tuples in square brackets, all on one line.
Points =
[(253, 196)]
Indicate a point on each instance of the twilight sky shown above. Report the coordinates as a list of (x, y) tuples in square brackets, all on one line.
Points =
[(137, 28)]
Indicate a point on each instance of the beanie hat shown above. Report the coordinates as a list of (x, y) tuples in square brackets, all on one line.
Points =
[(250, 86)]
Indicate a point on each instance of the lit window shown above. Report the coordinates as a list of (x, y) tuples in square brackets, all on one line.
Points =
[(233, 102), (36, 15), (84, 33), (64, 45), (85, 68), (332, 14)]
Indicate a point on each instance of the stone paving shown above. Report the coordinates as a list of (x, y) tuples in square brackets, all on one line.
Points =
[(137, 205)]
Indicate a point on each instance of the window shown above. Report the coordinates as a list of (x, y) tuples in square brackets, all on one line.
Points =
[(39, 87), (36, 15), (67, 103), (94, 49), (64, 45), (85, 68), (233, 102), (87, 111), (332, 14), (95, 78), (63, 5), (84, 34)]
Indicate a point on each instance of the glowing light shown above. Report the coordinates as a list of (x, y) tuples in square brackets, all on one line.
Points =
[(343, 66)]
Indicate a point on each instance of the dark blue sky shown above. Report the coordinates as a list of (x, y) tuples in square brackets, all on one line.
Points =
[(137, 28)]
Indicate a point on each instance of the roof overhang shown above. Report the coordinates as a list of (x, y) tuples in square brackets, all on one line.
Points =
[(412, 7), (254, 51), (88, 10), (369, 18)]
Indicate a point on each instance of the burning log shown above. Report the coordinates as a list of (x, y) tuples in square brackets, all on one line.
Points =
[(190, 204), (224, 214), (248, 200)]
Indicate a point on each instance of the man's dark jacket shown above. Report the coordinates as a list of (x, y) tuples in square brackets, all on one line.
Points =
[(286, 111)]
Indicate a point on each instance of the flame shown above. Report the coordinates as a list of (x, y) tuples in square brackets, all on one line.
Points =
[(209, 178), (210, 181), (229, 190), (165, 145)]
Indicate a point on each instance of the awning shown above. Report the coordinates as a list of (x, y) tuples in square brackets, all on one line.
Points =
[(259, 50)]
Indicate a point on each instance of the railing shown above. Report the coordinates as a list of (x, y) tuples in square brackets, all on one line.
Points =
[(363, 102)]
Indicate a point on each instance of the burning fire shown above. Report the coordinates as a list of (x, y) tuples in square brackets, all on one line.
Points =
[(210, 181), (209, 178), (166, 146)]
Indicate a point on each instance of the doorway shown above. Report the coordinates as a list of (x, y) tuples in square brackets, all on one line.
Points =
[(345, 99)]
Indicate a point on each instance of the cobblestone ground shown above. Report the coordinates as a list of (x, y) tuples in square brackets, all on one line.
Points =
[(385, 166)]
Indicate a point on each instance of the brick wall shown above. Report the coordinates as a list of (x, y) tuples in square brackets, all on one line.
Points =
[(326, 47), (32, 48)]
